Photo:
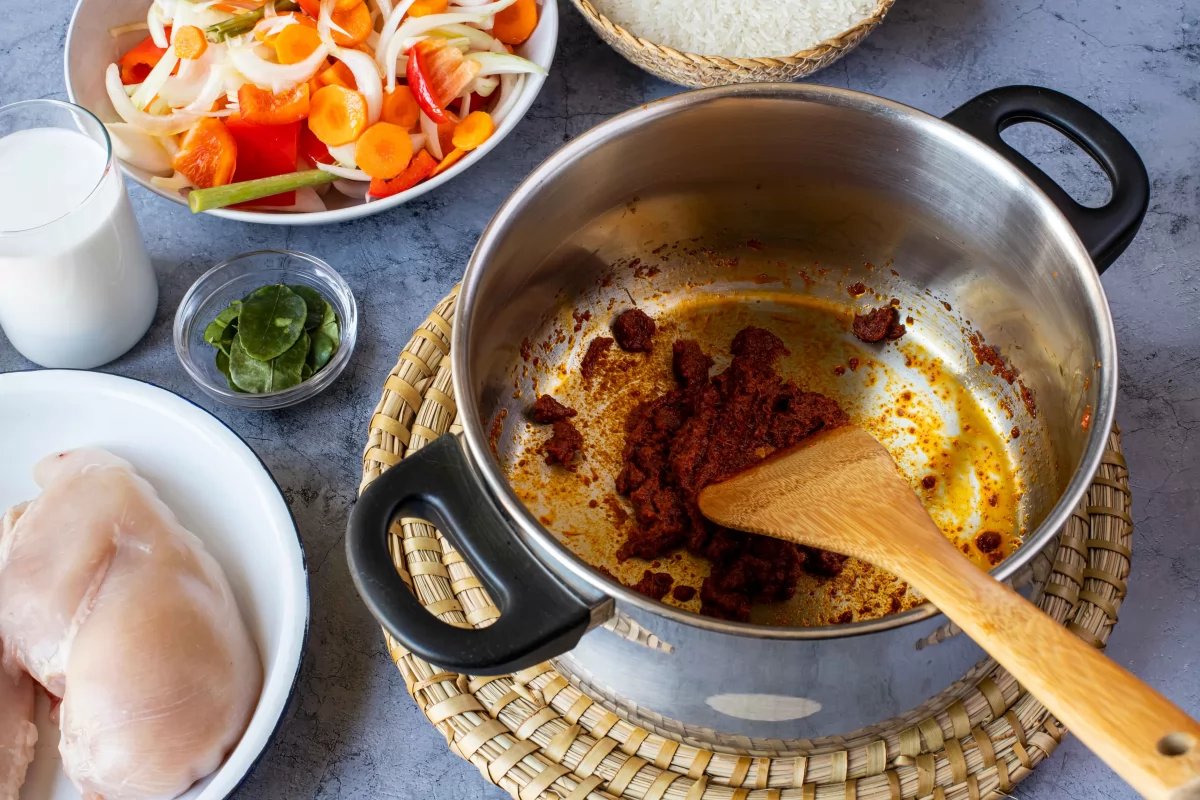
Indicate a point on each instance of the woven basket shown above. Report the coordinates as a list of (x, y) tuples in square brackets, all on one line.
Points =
[(539, 736), (696, 71)]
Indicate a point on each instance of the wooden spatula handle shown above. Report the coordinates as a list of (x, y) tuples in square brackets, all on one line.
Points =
[(1144, 737)]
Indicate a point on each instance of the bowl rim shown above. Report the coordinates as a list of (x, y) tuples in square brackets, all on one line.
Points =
[(529, 93), (302, 650), (269, 401)]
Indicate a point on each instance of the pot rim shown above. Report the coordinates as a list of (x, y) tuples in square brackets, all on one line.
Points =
[(565, 563)]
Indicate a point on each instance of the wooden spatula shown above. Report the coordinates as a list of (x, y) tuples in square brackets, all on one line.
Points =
[(839, 490)]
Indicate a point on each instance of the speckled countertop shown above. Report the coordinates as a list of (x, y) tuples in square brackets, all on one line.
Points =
[(352, 731)]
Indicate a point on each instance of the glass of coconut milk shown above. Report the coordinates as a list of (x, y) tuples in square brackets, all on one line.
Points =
[(76, 286)]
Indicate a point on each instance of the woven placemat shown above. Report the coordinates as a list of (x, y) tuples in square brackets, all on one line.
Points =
[(538, 736)]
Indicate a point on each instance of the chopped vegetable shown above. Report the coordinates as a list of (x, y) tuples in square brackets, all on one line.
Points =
[(473, 131), (338, 75), (445, 137), (504, 64), (400, 108), (420, 168), (264, 151), (295, 43), (437, 73), (257, 376), (355, 26), (140, 60), (383, 151), (515, 24), (337, 115), (208, 154), (366, 79), (267, 108), (270, 321), (312, 149), (423, 8), (189, 42), (138, 148), (276, 77), (244, 23), (313, 7), (221, 196), (452, 158)]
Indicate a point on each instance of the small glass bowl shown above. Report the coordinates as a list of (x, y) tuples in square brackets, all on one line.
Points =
[(234, 279)]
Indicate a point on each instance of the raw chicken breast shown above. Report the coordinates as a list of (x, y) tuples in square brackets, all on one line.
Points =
[(18, 734), (115, 607)]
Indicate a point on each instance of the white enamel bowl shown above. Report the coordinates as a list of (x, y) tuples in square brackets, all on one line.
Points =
[(219, 490), (90, 49)]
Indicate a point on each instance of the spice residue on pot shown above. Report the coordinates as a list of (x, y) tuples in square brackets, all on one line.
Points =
[(902, 393)]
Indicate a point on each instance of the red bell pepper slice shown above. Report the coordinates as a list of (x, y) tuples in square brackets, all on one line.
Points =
[(264, 151), (141, 59), (422, 90), (312, 149), (437, 73), (420, 168)]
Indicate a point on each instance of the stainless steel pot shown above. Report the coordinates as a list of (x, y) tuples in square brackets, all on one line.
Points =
[(847, 175)]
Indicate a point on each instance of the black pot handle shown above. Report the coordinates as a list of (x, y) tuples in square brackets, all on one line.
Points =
[(1105, 231), (542, 617)]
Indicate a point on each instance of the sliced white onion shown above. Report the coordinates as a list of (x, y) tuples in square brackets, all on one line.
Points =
[(510, 90), (154, 81), (465, 106), (373, 40), (167, 125), (343, 172), (269, 10), (505, 64), (212, 90), (353, 189), (491, 9), (307, 201), (273, 25), (131, 88), (366, 76), (175, 183), (193, 78), (479, 39), (344, 155), (278, 78), (167, 8), (484, 85), (432, 143), (416, 27), (138, 148), (390, 23), (154, 21), (384, 7), (121, 30), (472, 4), (418, 141), (169, 144)]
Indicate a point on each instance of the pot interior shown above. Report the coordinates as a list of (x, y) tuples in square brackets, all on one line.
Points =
[(764, 206)]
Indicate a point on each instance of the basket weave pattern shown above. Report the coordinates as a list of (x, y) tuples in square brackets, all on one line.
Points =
[(537, 735), (699, 71)]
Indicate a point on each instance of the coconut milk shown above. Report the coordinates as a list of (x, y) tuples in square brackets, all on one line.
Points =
[(76, 286)]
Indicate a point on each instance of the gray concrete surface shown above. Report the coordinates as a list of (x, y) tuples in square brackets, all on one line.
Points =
[(352, 731)]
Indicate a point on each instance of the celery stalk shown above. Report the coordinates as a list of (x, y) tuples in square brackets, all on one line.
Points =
[(243, 23), (233, 193)]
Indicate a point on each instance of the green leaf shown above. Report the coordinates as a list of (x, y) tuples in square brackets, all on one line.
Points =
[(325, 340), (216, 329), (305, 372), (223, 366), (270, 322), (258, 377), (316, 306)]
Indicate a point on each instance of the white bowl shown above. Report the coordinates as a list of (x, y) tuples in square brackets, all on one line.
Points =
[(90, 49), (220, 491)]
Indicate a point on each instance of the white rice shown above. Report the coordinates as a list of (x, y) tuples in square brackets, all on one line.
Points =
[(738, 28)]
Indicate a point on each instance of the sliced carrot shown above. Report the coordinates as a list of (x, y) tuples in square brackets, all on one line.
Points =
[(423, 8), (314, 86), (137, 63), (337, 75), (449, 161), (301, 19), (515, 24), (208, 154), (265, 108), (190, 42), (338, 115), (400, 108), (383, 151), (356, 22), (346, 5), (417, 170), (310, 7), (473, 131), (295, 43)]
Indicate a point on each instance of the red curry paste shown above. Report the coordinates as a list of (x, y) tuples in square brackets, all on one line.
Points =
[(702, 432)]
